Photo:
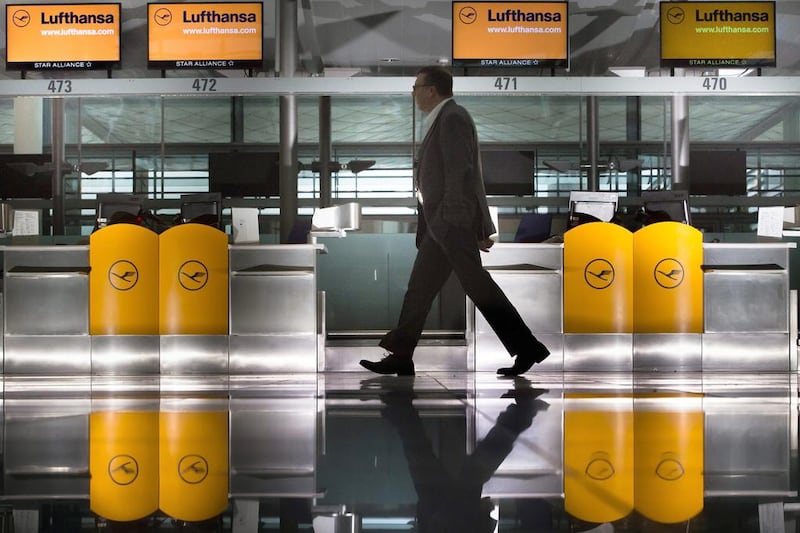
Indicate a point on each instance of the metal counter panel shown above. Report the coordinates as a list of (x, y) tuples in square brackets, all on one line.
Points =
[(194, 354), (746, 300), (47, 355), (273, 302), (755, 352), (667, 352), (125, 354), (262, 354), (46, 304), (598, 352)]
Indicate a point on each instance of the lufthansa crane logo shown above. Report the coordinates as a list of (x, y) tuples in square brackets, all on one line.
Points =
[(123, 275), (193, 275), (21, 18), (599, 274), (669, 273), (467, 15), (600, 467), (123, 469), (162, 16), (675, 15), (193, 469), (669, 468)]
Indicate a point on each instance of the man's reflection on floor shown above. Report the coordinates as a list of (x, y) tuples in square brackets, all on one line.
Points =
[(451, 501)]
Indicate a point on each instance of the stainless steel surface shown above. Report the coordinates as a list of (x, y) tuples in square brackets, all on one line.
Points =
[(194, 354), (604, 352), (756, 352), (273, 308), (49, 354), (531, 277), (126, 354), (746, 300), (46, 290), (667, 352)]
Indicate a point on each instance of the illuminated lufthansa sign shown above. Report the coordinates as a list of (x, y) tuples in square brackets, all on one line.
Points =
[(62, 36), (205, 35), (510, 34), (717, 34)]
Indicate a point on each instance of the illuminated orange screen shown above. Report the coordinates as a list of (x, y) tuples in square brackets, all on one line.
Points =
[(717, 33), (224, 32), (486, 31), (39, 35)]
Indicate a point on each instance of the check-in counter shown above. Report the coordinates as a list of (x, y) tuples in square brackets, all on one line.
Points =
[(273, 308), (748, 318), (531, 277), (46, 310)]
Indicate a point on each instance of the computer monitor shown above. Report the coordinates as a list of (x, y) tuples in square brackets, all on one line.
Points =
[(239, 174), (585, 206), (202, 208), (508, 172), (115, 208), (666, 206)]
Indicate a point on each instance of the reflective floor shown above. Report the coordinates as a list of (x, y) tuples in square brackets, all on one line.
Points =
[(440, 452)]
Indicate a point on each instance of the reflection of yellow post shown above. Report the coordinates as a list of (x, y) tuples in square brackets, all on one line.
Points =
[(123, 281), (193, 464), (598, 279), (668, 279), (668, 457), (598, 457), (193, 281), (123, 462)]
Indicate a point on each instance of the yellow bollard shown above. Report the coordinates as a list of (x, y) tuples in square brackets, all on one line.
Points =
[(598, 279), (668, 279), (193, 281), (123, 281)]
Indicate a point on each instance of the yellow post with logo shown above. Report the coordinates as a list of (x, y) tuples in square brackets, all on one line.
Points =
[(123, 464), (193, 463), (193, 281), (598, 279), (668, 279), (598, 456), (668, 456), (123, 281)]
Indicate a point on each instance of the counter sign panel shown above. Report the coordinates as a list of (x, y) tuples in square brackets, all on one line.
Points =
[(510, 34), (205, 35), (717, 34), (62, 36)]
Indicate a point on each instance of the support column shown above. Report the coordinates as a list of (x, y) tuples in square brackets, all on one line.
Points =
[(288, 116), (633, 132), (593, 138), (57, 106), (680, 142), (324, 151)]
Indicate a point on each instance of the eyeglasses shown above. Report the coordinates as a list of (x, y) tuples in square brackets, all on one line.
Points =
[(415, 87)]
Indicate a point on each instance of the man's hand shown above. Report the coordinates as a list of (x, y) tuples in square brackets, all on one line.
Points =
[(485, 244)]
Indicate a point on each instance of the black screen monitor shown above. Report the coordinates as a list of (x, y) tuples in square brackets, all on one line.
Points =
[(115, 208), (720, 172), (202, 208), (240, 174), (508, 172), (26, 176), (666, 206)]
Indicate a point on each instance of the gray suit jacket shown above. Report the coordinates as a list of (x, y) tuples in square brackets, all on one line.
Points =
[(449, 177)]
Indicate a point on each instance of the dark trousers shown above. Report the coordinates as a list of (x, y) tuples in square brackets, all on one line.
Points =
[(456, 252)]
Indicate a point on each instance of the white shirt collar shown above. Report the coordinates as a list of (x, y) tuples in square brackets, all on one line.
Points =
[(431, 117)]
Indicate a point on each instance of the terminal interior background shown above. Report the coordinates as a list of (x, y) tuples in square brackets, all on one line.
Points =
[(336, 457)]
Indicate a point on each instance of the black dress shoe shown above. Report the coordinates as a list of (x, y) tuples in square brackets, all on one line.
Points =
[(524, 361), (391, 364)]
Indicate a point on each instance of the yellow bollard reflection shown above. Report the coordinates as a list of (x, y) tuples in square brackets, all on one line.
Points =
[(598, 457), (123, 463), (668, 443), (193, 464)]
